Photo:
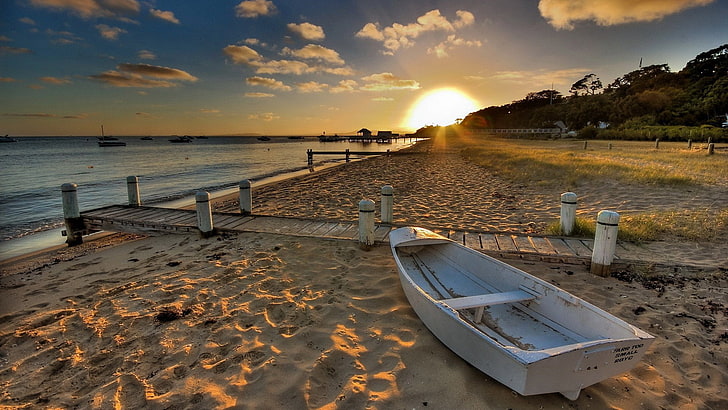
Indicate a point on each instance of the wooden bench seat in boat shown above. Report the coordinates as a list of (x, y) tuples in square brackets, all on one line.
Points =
[(489, 299)]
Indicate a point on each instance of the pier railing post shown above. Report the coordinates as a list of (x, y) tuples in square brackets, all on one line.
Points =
[(711, 148), (690, 144), (605, 242), (387, 204), (309, 154), (568, 212), (246, 197), (132, 188), (347, 155), (72, 214), (366, 224), (657, 143), (204, 214)]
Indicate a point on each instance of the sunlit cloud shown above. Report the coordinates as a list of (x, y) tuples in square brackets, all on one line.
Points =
[(399, 35), (7, 80), (36, 87), (315, 51), (146, 55), (562, 14), (164, 15), (311, 87), (271, 83), (241, 54), (209, 111), (136, 75), (382, 99), (5, 39), (108, 32), (30, 115), (266, 116), (145, 115), (27, 20), (388, 81), (259, 95), (62, 37), (566, 76), (308, 31), (91, 8), (14, 50), (344, 86), (55, 80), (75, 116), (255, 8), (441, 50), (282, 67)]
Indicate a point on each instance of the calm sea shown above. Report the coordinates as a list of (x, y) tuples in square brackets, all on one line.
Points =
[(35, 168)]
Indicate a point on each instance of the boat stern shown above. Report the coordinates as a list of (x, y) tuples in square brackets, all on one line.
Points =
[(413, 236)]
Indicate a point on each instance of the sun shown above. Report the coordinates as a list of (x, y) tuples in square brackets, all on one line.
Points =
[(440, 107)]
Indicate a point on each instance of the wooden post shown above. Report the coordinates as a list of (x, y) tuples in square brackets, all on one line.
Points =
[(605, 242), (72, 215), (387, 204), (347, 155), (204, 214), (366, 224), (657, 143), (711, 148), (568, 212), (246, 197), (610, 146), (585, 144), (132, 188), (309, 153), (690, 143)]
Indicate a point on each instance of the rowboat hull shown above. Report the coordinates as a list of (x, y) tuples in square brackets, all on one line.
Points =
[(522, 331)]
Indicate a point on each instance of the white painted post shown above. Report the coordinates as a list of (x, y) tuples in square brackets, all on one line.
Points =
[(366, 224), (568, 212), (387, 204), (605, 242), (690, 143), (657, 143), (72, 214), (610, 146), (204, 214), (132, 188), (585, 144), (711, 148), (246, 197)]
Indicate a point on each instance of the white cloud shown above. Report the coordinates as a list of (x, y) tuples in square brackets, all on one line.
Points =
[(108, 32), (562, 14), (164, 15), (344, 86), (311, 87), (241, 54), (255, 8), (308, 31), (388, 81), (399, 35), (92, 8), (282, 67), (146, 55), (452, 41), (317, 52), (266, 116), (259, 95), (271, 83)]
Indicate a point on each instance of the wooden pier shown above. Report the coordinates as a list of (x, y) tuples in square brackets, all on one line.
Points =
[(155, 221), (346, 153)]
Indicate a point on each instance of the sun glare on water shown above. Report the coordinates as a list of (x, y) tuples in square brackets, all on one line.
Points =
[(440, 107)]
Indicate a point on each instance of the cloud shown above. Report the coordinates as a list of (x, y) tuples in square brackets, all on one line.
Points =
[(282, 67), (56, 81), (266, 116), (164, 15), (255, 8), (241, 54), (317, 52), (382, 99), (388, 81), (399, 35), (308, 31), (259, 95), (7, 80), (146, 55), (5, 39), (452, 41), (311, 87), (63, 37), (136, 75), (344, 86), (91, 8), (14, 50), (209, 111), (30, 115), (27, 20), (271, 83), (108, 32), (144, 115), (562, 14), (544, 78), (156, 71)]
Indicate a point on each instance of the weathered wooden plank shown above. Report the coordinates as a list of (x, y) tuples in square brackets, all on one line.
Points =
[(505, 243), (578, 247), (542, 245), (351, 232), (458, 236), (560, 246), (524, 244), (311, 227), (472, 240), (381, 232), (323, 229), (239, 225), (338, 231), (488, 242)]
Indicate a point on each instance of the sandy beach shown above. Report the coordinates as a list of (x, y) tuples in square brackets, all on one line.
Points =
[(269, 321)]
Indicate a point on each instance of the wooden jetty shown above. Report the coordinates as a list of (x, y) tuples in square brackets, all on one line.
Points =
[(155, 221)]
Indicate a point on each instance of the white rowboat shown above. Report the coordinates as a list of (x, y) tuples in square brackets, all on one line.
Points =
[(520, 330)]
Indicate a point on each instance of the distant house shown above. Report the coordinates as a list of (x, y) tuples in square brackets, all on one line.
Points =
[(725, 124), (364, 133), (384, 134)]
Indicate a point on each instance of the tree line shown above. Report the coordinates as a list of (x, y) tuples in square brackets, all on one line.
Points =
[(650, 102)]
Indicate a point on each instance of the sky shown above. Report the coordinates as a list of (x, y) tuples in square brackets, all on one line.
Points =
[(305, 67)]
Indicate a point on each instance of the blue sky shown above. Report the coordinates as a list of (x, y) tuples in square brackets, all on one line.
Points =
[(289, 67)]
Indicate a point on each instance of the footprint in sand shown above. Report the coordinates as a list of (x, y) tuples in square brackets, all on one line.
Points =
[(287, 317), (329, 378)]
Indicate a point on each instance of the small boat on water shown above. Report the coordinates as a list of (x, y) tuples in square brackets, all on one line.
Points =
[(105, 141), (7, 139), (522, 331), (181, 140)]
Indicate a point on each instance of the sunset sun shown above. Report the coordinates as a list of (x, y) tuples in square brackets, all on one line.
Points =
[(440, 107)]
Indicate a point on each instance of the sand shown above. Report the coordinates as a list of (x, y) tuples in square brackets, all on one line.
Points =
[(273, 321)]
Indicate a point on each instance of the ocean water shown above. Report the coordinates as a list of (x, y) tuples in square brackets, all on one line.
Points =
[(35, 168)]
